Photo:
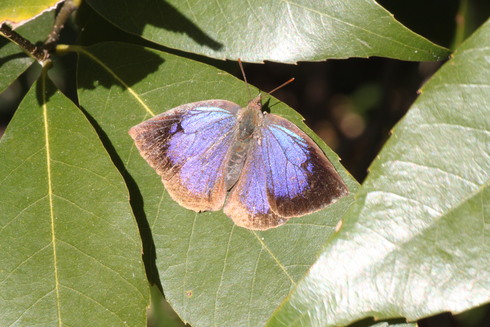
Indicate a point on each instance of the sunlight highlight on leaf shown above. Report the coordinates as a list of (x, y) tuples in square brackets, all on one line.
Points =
[(19, 12), (282, 31), (414, 244)]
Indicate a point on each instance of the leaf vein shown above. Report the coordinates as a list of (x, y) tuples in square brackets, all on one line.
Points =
[(96, 302), (253, 285), (276, 260), (50, 194), (411, 163), (23, 262), (115, 226), (354, 26), (184, 302), (22, 211), (117, 78), (222, 274), (101, 263)]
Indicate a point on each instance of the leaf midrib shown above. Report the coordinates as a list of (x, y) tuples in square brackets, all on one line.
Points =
[(50, 193)]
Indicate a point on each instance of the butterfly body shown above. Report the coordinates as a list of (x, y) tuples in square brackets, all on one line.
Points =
[(260, 168), (248, 119)]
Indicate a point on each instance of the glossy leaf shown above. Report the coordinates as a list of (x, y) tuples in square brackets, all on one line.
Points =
[(387, 324), (212, 272), (70, 252), (13, 60), (18, 12), (416, 241), (284, 31)]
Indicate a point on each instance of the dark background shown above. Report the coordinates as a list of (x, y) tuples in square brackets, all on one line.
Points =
[(352, 104)]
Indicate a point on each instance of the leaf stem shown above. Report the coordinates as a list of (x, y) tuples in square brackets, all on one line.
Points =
[(66, 10), (461, 23)]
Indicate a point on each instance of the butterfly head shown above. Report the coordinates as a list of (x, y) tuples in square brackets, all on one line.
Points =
[(256, 103)]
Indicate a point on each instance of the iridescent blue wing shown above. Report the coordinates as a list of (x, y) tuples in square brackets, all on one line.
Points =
[(300, 178), (285, 175), (189, 147), (248, 204)]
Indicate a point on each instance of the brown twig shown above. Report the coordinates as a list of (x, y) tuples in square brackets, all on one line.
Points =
[(38, 53), (42, 53)]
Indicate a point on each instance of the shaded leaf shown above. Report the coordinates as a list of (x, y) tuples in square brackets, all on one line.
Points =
[(416, 241), (212, 272), (284, 31), (70, 253)]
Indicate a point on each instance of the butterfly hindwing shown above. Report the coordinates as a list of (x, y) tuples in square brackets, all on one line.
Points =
[(247, 204), (189, 146)]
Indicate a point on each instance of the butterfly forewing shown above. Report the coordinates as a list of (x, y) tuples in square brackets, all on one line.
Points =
[(189, 146), (300, 179), (285, 175)]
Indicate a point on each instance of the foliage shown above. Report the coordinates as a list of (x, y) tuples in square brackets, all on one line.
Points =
[(83, 216)]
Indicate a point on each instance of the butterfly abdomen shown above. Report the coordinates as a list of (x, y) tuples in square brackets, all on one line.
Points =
[(248, 119)]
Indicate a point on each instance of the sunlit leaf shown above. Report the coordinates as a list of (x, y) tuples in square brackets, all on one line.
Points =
[(285, 31), (19, 12), (415, 243), (70, 252), (212, 272)]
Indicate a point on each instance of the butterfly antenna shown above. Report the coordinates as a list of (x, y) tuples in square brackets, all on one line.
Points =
[(244, 77), (282, 85)]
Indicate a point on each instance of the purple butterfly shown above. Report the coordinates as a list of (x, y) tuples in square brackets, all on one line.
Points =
[(259, 167)]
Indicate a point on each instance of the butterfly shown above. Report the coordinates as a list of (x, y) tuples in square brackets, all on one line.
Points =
[(260, 168)]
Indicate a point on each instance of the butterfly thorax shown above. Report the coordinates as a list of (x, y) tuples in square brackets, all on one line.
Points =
[(249, 118)]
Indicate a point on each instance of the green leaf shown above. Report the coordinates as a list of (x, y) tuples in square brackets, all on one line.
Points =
[(212, 272), (284, 31), (416, 241), (70, 253), (13, 60), (386, 324), (18, 12)]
